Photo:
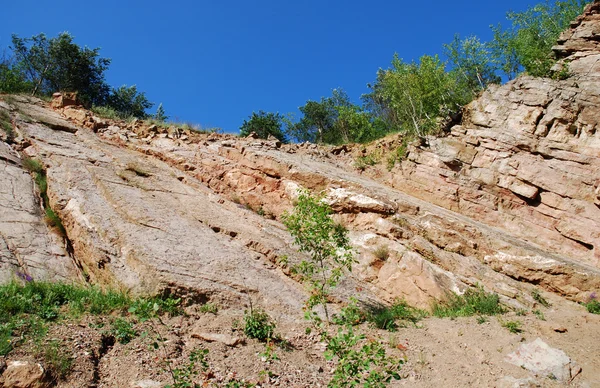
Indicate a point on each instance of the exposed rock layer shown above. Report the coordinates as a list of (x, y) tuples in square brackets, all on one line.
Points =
[(510, 195)]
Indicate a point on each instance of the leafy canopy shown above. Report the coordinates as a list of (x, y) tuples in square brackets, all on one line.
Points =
[(264, 124), (58, 64)]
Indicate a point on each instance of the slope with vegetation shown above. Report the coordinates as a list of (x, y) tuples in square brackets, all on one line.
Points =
[(244, 262)]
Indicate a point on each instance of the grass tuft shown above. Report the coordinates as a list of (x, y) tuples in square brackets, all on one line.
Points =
[(475, 301)]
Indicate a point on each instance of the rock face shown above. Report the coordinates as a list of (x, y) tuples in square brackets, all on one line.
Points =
[(509, 197), (526, 156)]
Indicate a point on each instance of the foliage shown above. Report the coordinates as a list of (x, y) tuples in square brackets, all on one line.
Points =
[(387, 317), (264, 124), (184, 377), (363, 161), (593, 305), (335, 120), (12, 78), (382, 252), (475, 301), (527, 43), (537, 296), (539, 314), (6, 126), (57, 360), (209, 308), (160, 114), (58, 64), (471, 60), (351, 314), (123, 330), (360, 362), (128, 102), (326, 243), (412, 97), (512, 326), (26, 308), (258, 325)]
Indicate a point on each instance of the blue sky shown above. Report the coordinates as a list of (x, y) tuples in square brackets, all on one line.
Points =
[(215, 62)]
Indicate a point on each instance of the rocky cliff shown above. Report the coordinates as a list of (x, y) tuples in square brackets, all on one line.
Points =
[(509, 197)]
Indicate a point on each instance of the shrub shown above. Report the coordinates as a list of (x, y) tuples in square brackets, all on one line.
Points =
[(123, 330), (360, 362), (327, 245), (475, 301), (593, 305), (258, 325)]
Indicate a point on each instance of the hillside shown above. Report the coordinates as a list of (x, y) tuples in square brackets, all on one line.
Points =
[(507, 199)]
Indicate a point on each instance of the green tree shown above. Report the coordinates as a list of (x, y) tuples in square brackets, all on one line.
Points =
[(128, 102), (58, 64), (527, 43), (326, 243), (335, 120), (160, 114), (264, 124), (472, 62), (12, 78), (413, 97)]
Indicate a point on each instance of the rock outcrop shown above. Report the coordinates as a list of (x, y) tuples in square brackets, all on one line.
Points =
[(508, 199), (526, 159)]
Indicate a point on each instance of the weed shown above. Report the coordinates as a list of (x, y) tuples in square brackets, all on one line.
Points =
[(521, 312), (362, 162), (360, 362), (148, 308), (209, 308), (539, 314), (184, 377), (258, 325), (512, 326), (123, 330), (6, 125), (387, 317), (382, 252), (56, 358), (537, 296), (260, 211), (481, 319), (593, 307), (350, 315), (473, 301), (53, 220), (269, 353)]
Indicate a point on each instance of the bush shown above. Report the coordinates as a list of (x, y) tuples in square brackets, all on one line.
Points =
[(258, 325), (475, 301)]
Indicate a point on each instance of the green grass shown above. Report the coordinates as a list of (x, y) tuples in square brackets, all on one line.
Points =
[(209, 308), (475, 301), (57, 359), (27, 309), (512, 326), (6, 125), (397, 315), (537, 296)]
